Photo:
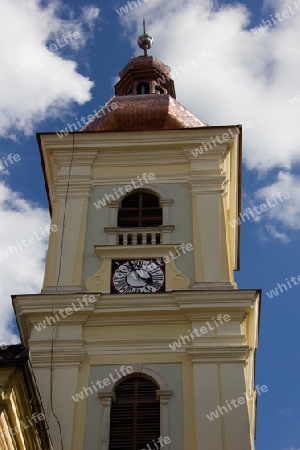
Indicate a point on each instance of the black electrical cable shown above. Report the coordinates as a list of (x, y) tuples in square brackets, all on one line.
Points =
[(52, 305), (40, 403)]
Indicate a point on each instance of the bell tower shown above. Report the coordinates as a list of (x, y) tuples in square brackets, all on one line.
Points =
[(140, 331)]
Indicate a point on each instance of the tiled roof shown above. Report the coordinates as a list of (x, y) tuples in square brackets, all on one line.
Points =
[(143, 113), (11, 354)]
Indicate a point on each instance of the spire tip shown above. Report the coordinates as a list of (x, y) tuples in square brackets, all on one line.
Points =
[(145, 41)]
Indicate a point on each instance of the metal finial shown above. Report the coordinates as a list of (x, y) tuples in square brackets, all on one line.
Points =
[(145, 41)]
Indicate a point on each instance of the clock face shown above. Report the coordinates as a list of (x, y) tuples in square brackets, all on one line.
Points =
[(138, 276)]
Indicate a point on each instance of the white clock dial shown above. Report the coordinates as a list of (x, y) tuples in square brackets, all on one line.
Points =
[(137, 276)]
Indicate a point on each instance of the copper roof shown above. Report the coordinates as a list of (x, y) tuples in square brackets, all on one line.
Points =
[(145, 62), (145, 68), (143, 113)]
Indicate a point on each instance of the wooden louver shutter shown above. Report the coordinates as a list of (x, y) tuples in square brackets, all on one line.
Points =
[(135, 415), (140, 209)]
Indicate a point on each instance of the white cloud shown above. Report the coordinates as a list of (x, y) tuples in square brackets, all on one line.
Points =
[(90, 14), (275, 208), (287, 211), (251, 78), (21, 270), (37, 82), (285, 411), (283, 237)]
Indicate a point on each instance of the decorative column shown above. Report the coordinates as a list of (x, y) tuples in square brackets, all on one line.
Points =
[(66, 248), (105, 398), (164, 398), (166, 210)]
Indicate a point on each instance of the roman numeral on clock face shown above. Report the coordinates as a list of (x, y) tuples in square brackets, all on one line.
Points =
[(155, 284), (158, 276), (120, 284), (138, 264)]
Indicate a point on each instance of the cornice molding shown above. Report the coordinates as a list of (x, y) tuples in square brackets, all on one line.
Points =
[(213, 349), (83, 157), (117, 179), (208, 315), (135, 251), (151, 138), (133, 316), (76, 188), (145, 346), (62, 289), (100, 149), (212, 154), (128, 157), (203, 302), (213, 285), (210, 299), (224, 354), (61, 357), (177, 307), (203, 184)]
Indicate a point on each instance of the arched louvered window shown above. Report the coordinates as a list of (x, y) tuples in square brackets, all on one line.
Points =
[(140, 209), (135, 415), (143, 88), (159, 90)]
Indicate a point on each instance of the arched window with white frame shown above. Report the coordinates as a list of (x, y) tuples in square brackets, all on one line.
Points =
[(141, 217), (135, 414), (138, 403)]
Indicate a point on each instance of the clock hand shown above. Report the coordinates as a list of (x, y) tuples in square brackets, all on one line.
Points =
[(134, 270), (147, 280)]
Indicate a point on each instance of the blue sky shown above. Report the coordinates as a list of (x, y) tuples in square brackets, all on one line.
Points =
[(253, 76)]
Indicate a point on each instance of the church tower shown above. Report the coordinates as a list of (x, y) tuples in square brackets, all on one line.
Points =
[(140, 338)]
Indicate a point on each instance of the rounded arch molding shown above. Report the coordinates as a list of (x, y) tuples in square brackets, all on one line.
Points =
[(139, 369), (151, 188), (165, 202)]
